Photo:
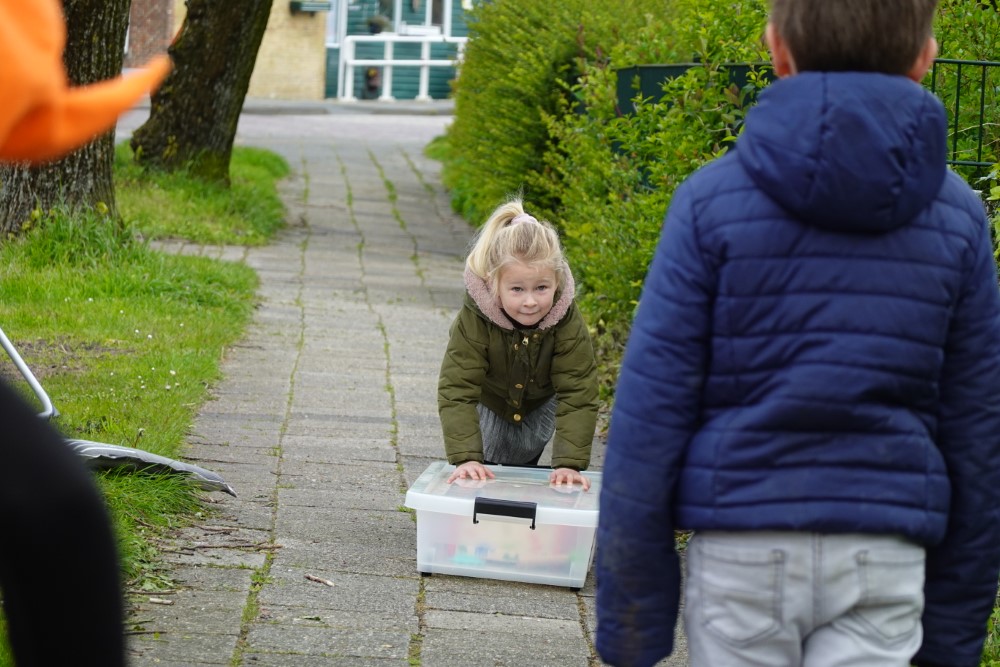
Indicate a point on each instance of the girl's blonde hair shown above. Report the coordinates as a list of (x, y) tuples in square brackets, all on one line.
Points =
[(510, 235)]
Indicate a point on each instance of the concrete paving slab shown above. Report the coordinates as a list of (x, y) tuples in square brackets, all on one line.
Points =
[(288, 587), (339, 450), (474, 624), (456, 648), (339, 499), (532, 604), (192, 648), (313, 555), (348, 526), (295, 660), (353, 642), (337, 620)]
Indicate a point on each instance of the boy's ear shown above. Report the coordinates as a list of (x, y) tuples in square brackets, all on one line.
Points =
[(924, 61), (781, 57)]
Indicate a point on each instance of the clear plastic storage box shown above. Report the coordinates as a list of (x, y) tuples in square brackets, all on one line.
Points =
[(516, 527)]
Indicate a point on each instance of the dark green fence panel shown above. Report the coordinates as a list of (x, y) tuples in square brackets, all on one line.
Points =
[(969, 90), (648, 80)]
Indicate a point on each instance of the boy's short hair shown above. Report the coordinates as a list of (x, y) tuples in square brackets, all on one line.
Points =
[(854, 35)]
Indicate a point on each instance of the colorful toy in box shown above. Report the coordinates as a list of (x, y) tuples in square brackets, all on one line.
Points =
[(467, 528), (499, 544)]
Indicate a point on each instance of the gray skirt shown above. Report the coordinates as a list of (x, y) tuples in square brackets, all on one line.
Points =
[(516, 444)]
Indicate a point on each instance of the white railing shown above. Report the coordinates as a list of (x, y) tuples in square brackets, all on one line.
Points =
[(349, 61)]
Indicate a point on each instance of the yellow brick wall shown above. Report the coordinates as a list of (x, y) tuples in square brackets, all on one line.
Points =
[(291, 63), (180, 11)]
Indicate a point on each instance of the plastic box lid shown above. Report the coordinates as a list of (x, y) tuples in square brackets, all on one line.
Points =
[(515, 489)]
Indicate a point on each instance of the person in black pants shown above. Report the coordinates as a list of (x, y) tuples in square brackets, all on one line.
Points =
[(59, 568)]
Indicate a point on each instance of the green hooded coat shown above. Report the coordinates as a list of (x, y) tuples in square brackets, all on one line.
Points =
[(513, 372)]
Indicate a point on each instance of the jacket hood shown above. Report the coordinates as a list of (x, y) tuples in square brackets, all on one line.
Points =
[(489, 305), (847, 151)]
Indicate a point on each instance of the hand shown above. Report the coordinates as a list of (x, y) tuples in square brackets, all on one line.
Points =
[(569, 476), (471, 470)]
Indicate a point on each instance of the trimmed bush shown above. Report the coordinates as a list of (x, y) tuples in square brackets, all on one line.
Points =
[(536, 113), (519, 68)]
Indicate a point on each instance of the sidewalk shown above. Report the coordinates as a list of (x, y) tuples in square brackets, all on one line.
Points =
[(326, 414)]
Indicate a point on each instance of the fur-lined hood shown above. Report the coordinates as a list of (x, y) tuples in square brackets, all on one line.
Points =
[(489, 305)]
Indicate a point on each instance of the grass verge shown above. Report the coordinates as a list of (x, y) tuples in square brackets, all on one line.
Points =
[(163, 205), (127, 340)]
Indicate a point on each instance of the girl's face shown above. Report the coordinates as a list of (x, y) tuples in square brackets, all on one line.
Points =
[(526, 292)]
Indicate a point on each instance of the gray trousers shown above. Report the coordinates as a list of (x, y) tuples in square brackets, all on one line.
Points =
[(516, 444), (770, 598)]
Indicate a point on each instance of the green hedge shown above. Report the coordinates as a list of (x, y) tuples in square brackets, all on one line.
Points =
[(536, 114), (519, 67)]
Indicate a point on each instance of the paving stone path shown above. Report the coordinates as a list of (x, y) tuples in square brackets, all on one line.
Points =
[(325, 416)]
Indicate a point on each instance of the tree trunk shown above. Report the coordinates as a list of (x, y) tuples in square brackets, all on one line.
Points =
[(95, 45), (194, 114)]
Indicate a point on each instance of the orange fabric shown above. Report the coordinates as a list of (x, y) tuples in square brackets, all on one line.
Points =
[(41, 117)]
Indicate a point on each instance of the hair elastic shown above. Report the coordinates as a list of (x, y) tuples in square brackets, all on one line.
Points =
[(522, 217)]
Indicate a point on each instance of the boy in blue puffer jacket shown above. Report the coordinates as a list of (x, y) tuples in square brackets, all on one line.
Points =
[(812, 380)]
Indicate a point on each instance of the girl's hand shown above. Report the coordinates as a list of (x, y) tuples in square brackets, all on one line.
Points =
[(569, 476), (471, 470)]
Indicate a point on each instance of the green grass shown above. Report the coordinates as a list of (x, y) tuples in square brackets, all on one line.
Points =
[(127, 340), (163, 205)]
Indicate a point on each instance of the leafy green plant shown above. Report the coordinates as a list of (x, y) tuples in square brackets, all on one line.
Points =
[(519, 66), (991, 185), (606, 179), (536, 114), (968, 31), (614, 174)]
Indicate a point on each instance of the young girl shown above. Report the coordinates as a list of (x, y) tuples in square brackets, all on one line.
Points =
[(520, 364)]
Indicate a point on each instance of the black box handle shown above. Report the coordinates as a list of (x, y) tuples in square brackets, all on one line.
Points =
[(514, 508)]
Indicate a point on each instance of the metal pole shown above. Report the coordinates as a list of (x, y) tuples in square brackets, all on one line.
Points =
[(47, 409)]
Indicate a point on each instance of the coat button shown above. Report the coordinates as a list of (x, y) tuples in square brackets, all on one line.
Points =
[(517, 418), (518, 386)]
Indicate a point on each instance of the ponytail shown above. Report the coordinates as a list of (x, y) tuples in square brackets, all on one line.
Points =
[(510, 235)]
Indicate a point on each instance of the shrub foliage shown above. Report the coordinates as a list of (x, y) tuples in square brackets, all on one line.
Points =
[(519, 67), (536, 113)]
